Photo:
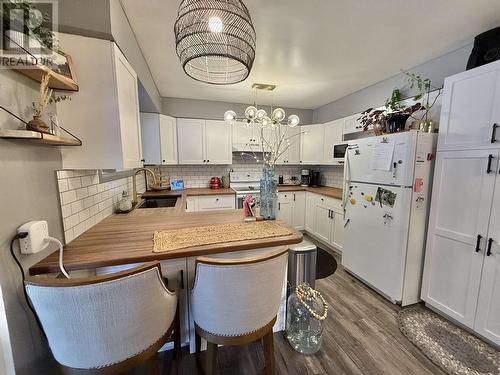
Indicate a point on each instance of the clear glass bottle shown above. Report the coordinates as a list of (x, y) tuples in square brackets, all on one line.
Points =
[(268, 193), (304, 330)]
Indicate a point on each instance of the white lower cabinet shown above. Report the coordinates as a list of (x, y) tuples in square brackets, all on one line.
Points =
[(324, 219), (337, 233), (210, 203), (322, 223), (299, 210), (174, 272), (291, 208)]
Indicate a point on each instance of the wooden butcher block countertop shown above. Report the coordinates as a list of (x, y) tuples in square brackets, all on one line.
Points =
[(323, 190), (128, 238)]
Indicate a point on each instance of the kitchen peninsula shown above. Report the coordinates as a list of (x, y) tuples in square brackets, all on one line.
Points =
[(125, 239)]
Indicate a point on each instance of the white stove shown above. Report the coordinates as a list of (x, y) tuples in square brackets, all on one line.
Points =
[(245, 183)]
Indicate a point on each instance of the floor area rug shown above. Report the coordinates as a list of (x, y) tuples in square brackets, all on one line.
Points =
[(453, 349), (326, 265)]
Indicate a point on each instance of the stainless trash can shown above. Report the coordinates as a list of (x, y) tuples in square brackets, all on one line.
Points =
[(301, 264)]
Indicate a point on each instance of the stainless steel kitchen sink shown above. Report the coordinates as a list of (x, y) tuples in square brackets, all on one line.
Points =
[(159, 201)]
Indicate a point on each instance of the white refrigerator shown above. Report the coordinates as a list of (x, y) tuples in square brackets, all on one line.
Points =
[(388, 181)]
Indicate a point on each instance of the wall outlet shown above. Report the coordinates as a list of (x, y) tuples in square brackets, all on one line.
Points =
[(34, 242)]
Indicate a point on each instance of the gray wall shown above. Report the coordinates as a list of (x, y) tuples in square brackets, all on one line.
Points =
[(125, 38), (106, 19), (375, 95), (28, 192), (85, 17), (206, 109)]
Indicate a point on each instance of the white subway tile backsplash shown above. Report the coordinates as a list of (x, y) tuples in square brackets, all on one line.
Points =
[(76, 206), (196, 176), (63, 185), (86, 180), (85, 202), (64, 174), (82, 193), (92, 189), (66, 210), (74, 183), (68, 197)]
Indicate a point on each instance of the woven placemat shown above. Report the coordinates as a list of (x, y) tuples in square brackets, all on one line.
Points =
[(174, 239)]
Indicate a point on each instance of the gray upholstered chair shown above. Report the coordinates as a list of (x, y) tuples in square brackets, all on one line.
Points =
[(106, 324), (235, 301)]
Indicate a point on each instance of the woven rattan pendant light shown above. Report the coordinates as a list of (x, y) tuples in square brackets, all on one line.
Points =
[(215, 40)]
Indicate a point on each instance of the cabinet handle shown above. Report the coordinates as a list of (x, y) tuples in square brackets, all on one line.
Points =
[(294, 197), (490, 159), (279, 206), (208, 161), (204, 161), (163, 161), (490, 242), (478, 243), (329, 214), (143, 160), (494, 133), (182, 278)]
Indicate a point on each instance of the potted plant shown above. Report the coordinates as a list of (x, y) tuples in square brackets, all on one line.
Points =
[(390, 119), (424, 86)]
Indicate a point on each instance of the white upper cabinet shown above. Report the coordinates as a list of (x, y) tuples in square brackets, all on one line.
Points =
[(311, 144), (292, 153), (334, 131), (470, 111), (352, 124), (168, 139), (245, 138), (191, 141), (204, 142), (159, 139), (150, 137), (218, 147), (104, 113)]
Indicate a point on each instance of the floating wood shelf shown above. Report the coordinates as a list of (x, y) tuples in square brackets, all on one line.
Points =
[(57, 81), (47, 139)]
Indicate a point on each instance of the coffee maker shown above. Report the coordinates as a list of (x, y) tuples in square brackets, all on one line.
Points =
[(305, 177), (315, 178)]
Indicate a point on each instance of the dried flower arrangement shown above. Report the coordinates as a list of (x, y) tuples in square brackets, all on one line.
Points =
[(44, 99)]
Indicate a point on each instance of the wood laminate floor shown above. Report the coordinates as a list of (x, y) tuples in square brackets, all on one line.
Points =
[(361, 337)]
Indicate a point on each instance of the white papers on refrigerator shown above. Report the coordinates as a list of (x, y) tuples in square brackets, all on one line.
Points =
[(382, 155)]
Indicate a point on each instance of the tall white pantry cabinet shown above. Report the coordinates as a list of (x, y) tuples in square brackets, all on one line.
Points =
[(462, 263)]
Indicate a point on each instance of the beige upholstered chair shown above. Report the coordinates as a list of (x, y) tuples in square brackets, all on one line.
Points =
[(105, 324), (235, 301)]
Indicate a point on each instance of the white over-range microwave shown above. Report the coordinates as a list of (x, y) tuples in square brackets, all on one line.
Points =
[(338, 153)]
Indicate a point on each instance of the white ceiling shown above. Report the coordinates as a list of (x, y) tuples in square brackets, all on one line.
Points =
[(318, 51)]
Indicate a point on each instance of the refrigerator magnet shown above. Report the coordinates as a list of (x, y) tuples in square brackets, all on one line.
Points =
[(417, 186), (388, 218)]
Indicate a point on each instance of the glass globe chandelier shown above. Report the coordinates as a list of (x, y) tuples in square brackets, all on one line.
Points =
[(215, 40), (260, 117)]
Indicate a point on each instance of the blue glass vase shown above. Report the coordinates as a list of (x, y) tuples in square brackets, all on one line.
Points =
[(268, 194)]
